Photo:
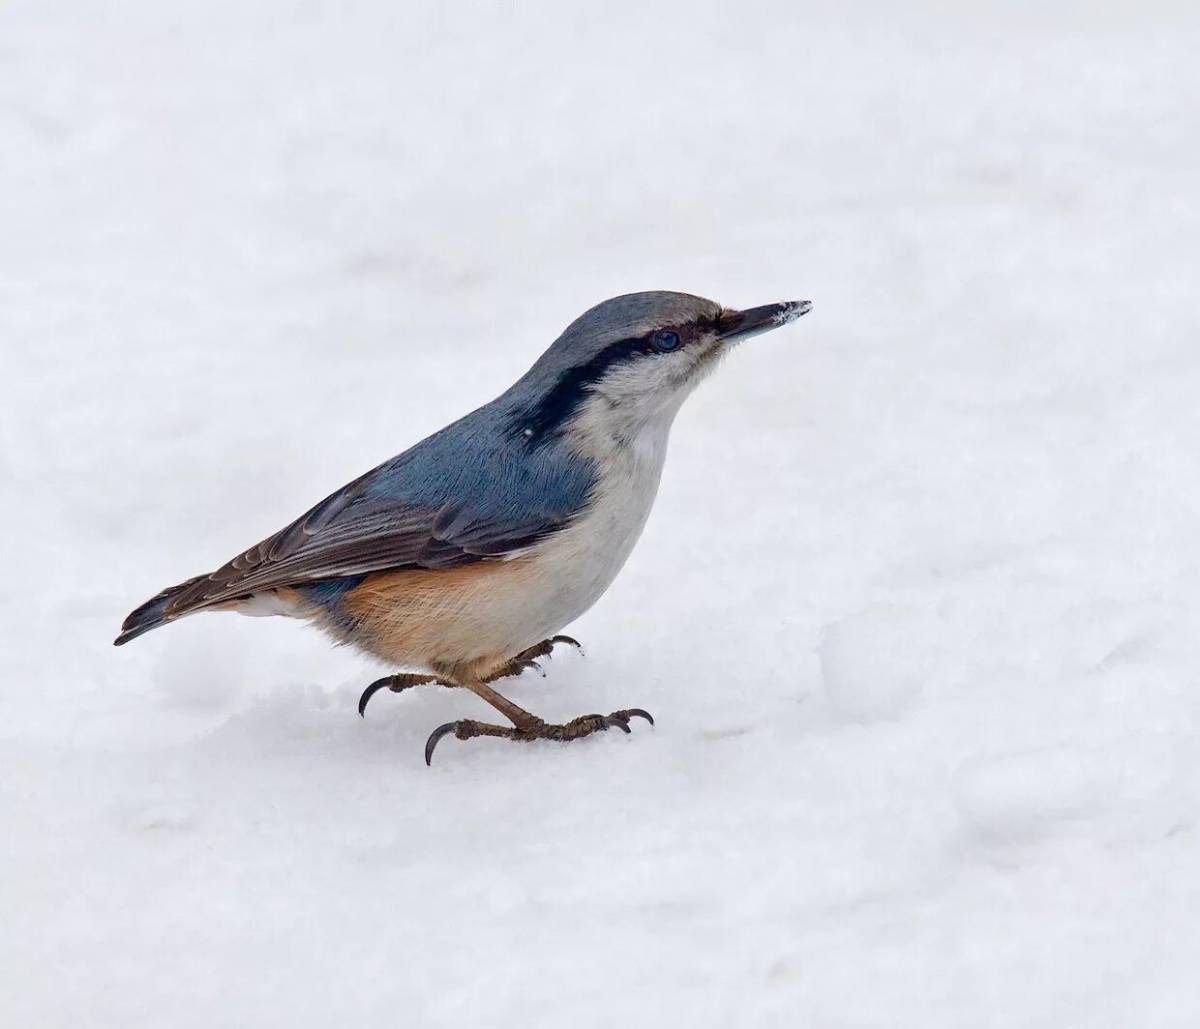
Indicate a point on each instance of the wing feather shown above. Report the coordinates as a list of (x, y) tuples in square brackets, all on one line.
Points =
[(350, 533)]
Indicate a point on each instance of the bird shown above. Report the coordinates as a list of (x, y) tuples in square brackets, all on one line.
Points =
[(465, 555)]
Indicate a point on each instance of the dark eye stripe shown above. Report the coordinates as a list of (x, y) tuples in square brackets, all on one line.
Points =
[(564, 397)]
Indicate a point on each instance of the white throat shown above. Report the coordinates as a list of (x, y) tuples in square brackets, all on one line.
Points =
[(577, 564)]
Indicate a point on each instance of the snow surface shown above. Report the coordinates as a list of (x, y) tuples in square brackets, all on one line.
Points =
[(917, 609)]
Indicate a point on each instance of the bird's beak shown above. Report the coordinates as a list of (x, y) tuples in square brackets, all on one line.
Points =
[(744, 324)]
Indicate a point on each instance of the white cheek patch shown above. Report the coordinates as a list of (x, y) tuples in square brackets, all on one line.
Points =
[(655, 379), (636, 397), (649, 374)]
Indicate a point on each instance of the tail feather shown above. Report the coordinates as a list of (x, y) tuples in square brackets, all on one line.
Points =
[(153, 613)]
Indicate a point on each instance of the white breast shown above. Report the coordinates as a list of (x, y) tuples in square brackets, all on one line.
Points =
[(575, 566)]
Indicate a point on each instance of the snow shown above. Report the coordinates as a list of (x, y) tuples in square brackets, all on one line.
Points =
[(873, 663), (916, 611)]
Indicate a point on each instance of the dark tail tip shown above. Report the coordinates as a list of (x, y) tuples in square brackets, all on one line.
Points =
[(151, 614), (132, 633)]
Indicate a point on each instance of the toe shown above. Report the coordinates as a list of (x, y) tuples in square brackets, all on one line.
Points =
[(618, 721)]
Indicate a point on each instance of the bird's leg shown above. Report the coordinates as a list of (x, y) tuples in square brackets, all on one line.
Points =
[(528, 658), (527, 726), (397, 684)]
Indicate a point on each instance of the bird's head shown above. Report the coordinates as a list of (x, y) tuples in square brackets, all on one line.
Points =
[(631, 361)]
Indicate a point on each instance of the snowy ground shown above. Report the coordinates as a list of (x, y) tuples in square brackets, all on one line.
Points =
[(917, 610)]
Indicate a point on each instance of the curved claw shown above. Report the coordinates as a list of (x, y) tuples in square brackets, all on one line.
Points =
[(568, 639), (434, 738), (370, 691), (630, 712)]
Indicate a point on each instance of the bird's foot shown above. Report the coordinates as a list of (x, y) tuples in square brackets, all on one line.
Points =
[(536, 729), (528, 658), (397, 684)]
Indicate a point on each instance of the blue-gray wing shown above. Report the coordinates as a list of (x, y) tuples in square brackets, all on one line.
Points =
[(456, 498)]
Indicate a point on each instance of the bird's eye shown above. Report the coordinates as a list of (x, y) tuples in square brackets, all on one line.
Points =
[(665, 340)]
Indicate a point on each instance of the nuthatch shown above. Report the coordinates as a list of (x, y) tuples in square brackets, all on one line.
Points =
[(465, 554)]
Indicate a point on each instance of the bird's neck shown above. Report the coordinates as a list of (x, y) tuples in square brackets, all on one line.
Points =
[(628, 436)]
